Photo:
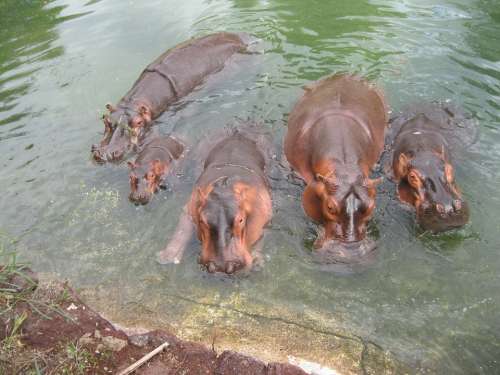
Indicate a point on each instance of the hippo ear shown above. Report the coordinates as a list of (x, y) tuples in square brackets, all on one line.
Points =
[(245, 195), (241, 191), (401, 167), (110, 107), (158, 167), (107, 123), (134, 182), (320, 177), (442, 153), (202, 196), (143, 110), (448, 173)]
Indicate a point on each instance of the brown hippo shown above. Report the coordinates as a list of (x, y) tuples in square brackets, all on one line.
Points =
[(173, 75), (149, 170), (229, 206), (422, 167), (335, 136)]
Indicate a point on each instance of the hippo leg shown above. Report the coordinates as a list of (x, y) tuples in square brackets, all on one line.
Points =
[(174, 251)]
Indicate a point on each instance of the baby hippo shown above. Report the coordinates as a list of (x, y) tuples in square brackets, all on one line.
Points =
[(422, 168), (229, 207), (149, 170)]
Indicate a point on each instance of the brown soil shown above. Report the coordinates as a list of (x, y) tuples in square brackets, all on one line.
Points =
[(59, 334)]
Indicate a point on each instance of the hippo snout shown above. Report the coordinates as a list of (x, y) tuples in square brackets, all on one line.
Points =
[(228, 267), (115, 155), (449, 209), (97, 154), (139, 198), (440, 217)]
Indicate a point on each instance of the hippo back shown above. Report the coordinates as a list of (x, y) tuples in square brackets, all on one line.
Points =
[(336, 95), (188, 64)]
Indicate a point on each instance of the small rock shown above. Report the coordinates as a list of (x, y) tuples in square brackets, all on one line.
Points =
[(97, 334), (72, 307), (113, 343), (139, 340), (86, 340)]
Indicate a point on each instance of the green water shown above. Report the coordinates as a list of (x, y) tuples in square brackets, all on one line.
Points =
[(432, 301)]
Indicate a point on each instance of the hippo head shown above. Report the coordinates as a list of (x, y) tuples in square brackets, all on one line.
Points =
[(427, 182), (145, 180), (123, 128), (222, 217), (343, 201)]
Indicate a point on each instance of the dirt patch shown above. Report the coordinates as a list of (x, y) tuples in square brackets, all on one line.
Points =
[(46, 328)]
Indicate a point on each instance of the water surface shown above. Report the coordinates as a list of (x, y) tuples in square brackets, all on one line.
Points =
[(432, 301)]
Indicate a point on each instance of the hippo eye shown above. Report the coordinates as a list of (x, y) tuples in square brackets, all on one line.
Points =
[(240, 220), (331, 207)]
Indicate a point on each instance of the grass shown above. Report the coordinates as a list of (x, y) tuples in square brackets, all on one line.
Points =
[(78, 360), (10, 295), (11, 269), (13, 356)]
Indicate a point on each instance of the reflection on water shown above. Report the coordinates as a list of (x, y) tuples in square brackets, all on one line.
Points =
[(431, 300)]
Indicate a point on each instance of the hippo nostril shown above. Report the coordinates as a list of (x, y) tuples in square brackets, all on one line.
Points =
[(211, 267), (457, 204), (230, 268)]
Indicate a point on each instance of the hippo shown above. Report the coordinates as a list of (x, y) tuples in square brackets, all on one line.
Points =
[(151, 166), (172, 76), (422, 168), (335, 136), (229, 207)]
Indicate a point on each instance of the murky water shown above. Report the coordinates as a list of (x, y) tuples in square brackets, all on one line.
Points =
[(433, 301)]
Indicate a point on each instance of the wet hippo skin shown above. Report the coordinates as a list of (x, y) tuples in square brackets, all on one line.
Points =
[(335, 136), (150, 168), (173, 75), (423, 170), (229, 207)]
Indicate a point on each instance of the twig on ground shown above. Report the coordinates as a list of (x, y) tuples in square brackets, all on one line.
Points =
[(144, 359)]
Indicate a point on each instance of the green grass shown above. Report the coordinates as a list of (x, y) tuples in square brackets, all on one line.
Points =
[(78, 360), (75, 360)]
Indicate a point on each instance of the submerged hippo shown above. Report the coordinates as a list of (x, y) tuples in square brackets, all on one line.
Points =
[(421, 164), (149, 170), (335, 136), (229, 206), (170, 77)]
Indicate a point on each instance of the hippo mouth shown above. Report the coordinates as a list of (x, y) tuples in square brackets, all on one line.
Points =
[(435, 222), (346, 253), (140, 198), (97, 154), (229, 268), (101, 155)]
